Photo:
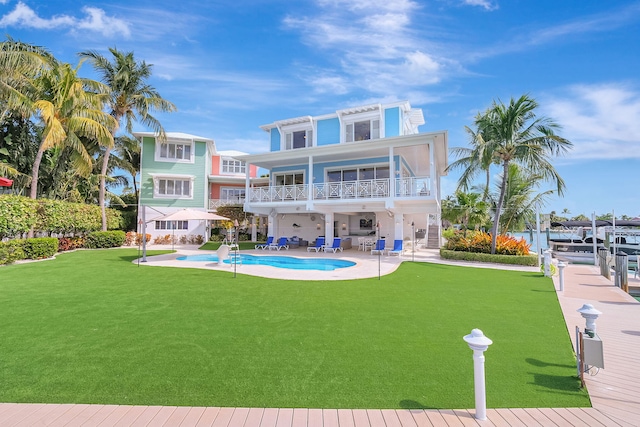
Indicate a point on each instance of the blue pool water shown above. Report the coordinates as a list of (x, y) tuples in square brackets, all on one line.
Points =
[(292, 263)]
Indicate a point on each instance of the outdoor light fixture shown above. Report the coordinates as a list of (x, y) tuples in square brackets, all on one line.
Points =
[(318, 226), (344, 226)]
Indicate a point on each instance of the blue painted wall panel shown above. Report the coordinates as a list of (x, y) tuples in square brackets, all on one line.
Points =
[(275, 139), (328, 131), (392, 122)]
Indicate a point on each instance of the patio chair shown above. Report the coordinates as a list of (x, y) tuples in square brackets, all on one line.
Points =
[(319, 245), (282, 243), (397, 248), (264, 246), (335, 247), (379, 248)]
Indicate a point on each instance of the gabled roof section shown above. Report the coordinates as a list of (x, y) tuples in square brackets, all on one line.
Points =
[(287, 122), (180, 136)]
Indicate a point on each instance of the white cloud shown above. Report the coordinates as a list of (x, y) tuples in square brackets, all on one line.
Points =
[(601, 120), (488, 5), (95, 20), (374, 45)]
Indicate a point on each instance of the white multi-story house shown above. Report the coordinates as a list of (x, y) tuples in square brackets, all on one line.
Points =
[(358, 171)]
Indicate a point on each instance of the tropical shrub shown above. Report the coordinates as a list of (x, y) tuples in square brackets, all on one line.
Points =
[(480, 242), (11, 251), (17, 215), (105, 239), (40, 247), (527, 260), (70, 243)]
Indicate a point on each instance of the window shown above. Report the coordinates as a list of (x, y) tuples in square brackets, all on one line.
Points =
[(362, 173), (298, 139), (174, 187), (233, 166), (172, 225), (289, 178), (232, 194), (363, 130), (175, 151)]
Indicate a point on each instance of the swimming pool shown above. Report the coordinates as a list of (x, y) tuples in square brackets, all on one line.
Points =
[(289, 262)]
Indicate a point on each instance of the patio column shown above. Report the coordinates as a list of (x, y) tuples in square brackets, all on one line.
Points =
[(328, 228), (271, 227), (254, 230), (398, 233)]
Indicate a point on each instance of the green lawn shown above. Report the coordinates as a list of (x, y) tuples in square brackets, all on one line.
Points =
[(92, 327)]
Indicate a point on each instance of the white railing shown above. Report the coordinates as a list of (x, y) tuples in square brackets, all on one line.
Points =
[(414, 187), (216, 203)]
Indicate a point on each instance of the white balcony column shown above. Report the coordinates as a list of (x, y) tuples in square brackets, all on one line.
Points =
[(328, 228), (398, 227), (310, 182), (393, 184)]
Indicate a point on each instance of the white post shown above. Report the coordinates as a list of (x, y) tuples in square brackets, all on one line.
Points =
[(547, 263), (538, 248), (144, 233), (561, 266), (479, 344)]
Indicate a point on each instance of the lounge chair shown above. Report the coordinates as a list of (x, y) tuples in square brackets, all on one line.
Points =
[(397, 248), (282, 243), (264, 246), (335, 247), (319, 245), (379, 248)]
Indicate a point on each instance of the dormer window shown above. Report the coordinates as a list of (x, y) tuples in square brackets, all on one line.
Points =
[(298, 139), (362, 130)]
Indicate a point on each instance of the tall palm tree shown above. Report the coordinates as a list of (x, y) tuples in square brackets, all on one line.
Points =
[(514, 133), (522, 198), (70, 109), (467, 209), (473, 160), (131, 98)]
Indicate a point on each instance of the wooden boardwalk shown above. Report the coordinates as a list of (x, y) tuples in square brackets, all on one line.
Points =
[(614, 391)]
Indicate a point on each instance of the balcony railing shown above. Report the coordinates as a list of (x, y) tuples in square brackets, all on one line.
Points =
[(414, 187), (216, 203)]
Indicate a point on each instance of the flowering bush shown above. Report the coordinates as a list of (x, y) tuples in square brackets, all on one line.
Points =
[(478, 241), (70, 243)]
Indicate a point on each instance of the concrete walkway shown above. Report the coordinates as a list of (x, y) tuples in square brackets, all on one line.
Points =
[(614, 391)]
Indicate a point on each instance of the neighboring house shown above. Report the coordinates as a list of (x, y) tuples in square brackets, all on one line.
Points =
[(186, 171), (355, 172)]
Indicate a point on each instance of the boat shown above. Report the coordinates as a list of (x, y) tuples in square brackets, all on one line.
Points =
[(575, 239)]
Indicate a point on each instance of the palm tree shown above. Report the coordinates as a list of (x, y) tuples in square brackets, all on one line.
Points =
[(473, 160), (465, 208), (522, 198), (514, 133), (69, 107), (131, 98)]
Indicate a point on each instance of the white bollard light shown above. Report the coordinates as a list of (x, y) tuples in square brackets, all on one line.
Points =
[(561, 266), (479, 344), (590, 314)]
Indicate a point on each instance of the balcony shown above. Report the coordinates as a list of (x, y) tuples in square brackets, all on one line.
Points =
[(414, 187), (216, 203)]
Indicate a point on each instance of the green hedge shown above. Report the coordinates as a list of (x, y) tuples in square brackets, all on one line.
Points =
[(105, 239), (11, 251), (527, 260), (40, 247)]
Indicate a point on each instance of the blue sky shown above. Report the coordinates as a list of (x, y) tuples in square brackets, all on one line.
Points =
[(231, 66)]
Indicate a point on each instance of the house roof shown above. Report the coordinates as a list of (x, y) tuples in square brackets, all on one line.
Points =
[(175, 135)]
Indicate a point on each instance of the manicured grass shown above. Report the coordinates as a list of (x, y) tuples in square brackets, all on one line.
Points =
[(92, 327)]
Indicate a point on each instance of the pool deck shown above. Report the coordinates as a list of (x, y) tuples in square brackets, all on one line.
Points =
[(614, 391)]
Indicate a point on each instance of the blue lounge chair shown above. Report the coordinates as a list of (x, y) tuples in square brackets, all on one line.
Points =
[(264, 246), (282, 243), (397, 248), (379, 248), (319, 245), (335, 247)]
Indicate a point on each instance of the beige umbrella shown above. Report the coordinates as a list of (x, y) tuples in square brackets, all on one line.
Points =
[(187, 214)]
